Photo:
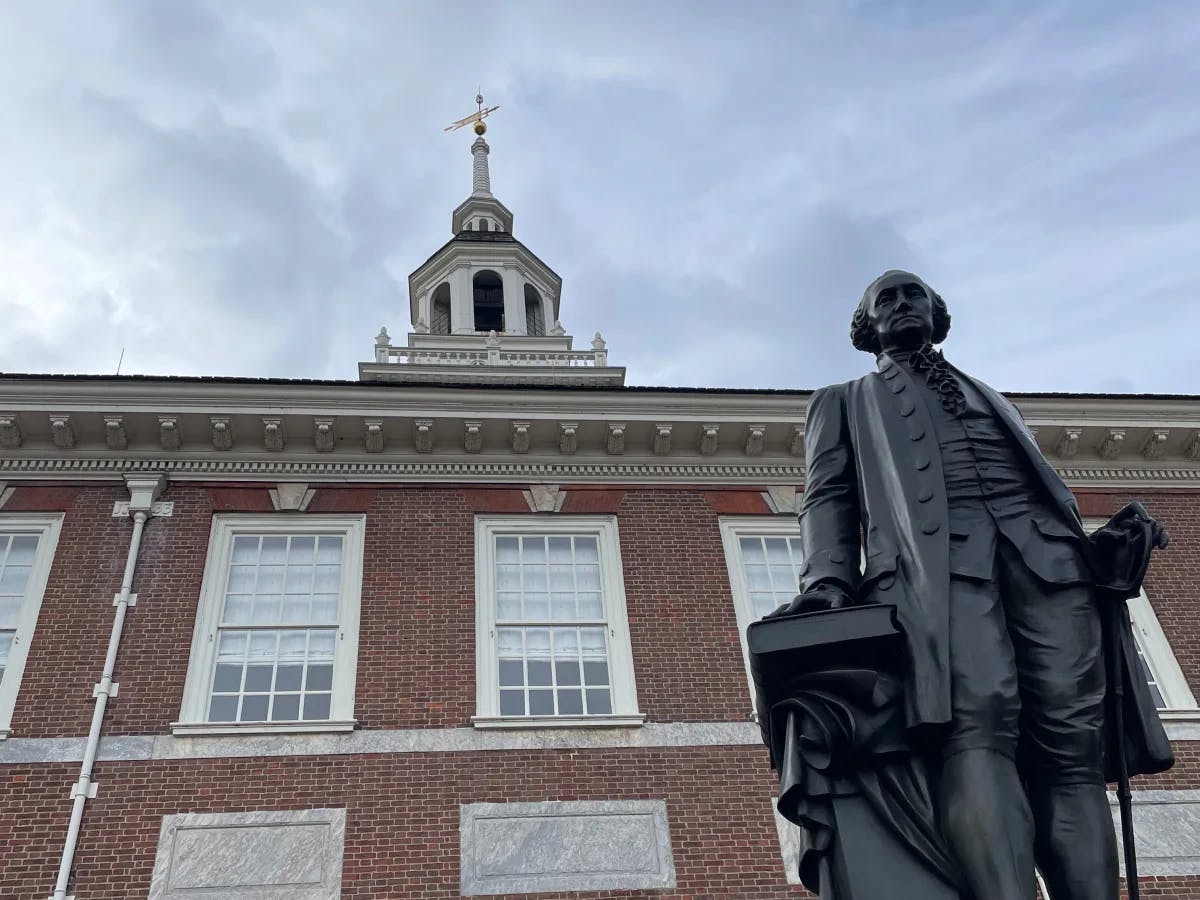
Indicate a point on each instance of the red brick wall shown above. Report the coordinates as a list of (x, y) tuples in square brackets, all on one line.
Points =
[(402, 814), (416, 670)]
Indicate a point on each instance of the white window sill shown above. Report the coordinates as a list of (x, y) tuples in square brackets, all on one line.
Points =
[(634, 720), (208, 729), (1179, 715)]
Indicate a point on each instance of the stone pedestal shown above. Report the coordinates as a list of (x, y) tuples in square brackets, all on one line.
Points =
[(831, 710)]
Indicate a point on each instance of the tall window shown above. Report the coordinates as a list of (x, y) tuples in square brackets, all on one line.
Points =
[(535, 320), (1168, 686), (553, 641), (488, 295), (27, 546), (277, 629), (763, 557), (440, 312)]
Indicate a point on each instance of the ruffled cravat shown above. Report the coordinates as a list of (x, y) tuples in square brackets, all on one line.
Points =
[(938, 376)]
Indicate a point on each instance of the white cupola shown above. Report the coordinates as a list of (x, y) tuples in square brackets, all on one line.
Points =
[(484, 300)]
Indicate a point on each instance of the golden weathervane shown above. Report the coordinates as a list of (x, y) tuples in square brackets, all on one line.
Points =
[(477, 117)]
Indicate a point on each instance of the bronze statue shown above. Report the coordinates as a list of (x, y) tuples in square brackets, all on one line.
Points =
[(1000, 596)]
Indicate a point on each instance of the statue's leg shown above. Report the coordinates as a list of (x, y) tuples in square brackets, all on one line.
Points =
[(981, 802), (1056, 634)]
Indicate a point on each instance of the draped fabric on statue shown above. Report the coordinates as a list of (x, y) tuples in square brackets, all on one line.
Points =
[(842, 734)]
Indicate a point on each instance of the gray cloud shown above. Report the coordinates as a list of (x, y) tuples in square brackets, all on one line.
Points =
[(242, 189)]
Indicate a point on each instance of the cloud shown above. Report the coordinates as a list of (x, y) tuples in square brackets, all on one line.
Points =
[(243, 189)]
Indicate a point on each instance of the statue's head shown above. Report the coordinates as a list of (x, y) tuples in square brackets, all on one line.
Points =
[(898, 311)]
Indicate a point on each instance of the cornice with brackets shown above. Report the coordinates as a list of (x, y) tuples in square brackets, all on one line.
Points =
[(254, 430)]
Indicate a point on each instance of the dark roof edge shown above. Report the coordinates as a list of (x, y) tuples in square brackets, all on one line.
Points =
[(580, 388)]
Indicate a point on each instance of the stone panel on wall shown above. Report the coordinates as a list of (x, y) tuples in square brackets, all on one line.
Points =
[(1166, 830), (596, 845), (295, 854)]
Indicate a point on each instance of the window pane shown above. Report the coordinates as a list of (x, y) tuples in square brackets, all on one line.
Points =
[(223, 709), (512, 673), (570, 703), (541, 703), (261, 666), (245, 549), (506, 549), (544, 579), (13, 579), (273, 550), (329, 549), (22, 550), (512, 703), (599, 702), (286, 708), (254, 708), (10, 611), (316, 706), (771, 568)]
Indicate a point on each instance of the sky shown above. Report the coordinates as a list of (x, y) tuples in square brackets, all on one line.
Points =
[(241, 189)]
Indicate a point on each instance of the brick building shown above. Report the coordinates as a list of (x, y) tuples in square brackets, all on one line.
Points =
[(468, 625)]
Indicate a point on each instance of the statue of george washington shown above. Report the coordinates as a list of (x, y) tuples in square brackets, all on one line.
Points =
[(999, 593)]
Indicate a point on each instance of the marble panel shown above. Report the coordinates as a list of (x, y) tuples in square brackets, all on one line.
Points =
[(530, 848), (1166, 826), (294, 854)]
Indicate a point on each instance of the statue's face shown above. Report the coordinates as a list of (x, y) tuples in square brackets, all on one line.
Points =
[(901, 313)]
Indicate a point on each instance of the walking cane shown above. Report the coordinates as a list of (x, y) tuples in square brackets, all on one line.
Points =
[(1116, 676), (1118, 665)]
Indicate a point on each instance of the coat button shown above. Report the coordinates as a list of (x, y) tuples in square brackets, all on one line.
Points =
[(916, 431), (922, 463), (906, 407), (896, 386), (890, 372), (837, 557), (925, 494), (886, 582), (930, 527)]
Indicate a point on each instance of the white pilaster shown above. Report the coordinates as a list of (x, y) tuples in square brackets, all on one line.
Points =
[(514, 300), (462, 301)]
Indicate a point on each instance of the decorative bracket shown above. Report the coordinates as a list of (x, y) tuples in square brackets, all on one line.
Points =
[(273, 437), (373, 440), (62, 431), (1068, 443), (1110, 447), (222, 432), (520, 437), (568, 437), (324, 436), (1156, 443), (796, 441), (169, 434), (10, 431), (662, 439), (423, 435), (472, 437), (755, 438), (616, 438), (709, 439), (114, 433), (1193, 447)]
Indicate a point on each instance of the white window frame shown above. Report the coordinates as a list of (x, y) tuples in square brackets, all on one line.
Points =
[(193, 715), (47, 528), (1181, 702), (620, 655), (733, 528)]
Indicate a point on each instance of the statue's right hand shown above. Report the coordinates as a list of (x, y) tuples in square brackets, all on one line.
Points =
[(817, 599)]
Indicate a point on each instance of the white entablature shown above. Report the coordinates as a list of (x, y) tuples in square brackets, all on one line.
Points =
[(484, 308)]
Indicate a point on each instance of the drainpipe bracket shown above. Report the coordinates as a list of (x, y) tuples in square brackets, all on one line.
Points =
[(131, 600), (113, 690), (85, 787)]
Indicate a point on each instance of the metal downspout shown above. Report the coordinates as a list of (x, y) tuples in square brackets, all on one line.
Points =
[(142, 494)]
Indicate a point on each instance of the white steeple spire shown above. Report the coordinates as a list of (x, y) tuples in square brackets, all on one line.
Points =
[(481, 178)]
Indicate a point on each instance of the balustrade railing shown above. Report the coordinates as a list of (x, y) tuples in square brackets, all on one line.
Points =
[(492, 356)]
